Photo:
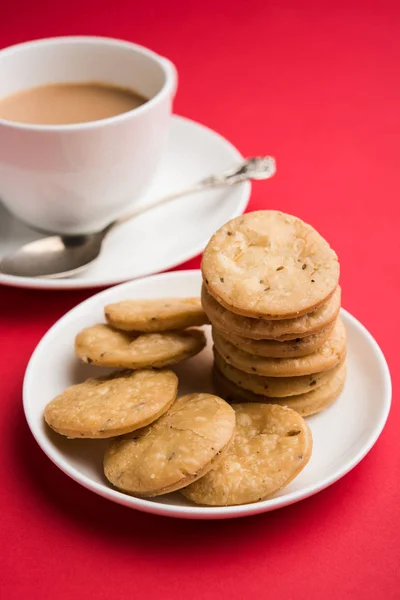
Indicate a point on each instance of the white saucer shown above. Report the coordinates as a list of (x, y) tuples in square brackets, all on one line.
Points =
[(343, 434), (164, 237)]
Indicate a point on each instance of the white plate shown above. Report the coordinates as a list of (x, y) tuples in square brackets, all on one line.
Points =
[(165, 236), (343, 433)]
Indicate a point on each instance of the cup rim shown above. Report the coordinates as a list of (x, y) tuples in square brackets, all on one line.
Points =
[(168, 88)]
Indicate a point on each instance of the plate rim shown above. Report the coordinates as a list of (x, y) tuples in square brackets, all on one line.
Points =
[(80, 284), (201, 512)]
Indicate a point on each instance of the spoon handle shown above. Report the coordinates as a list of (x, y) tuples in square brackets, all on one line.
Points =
[(259, 167)]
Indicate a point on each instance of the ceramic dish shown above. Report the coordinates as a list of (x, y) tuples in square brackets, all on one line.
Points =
[(343, 434)]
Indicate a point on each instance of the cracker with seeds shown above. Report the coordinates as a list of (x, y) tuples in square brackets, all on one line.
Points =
[(107, 347), (271, 265), (260, 329), (156, 314), (330, 354), (307, 404), (274, 387), (271, 445), (108, 406), (183, 445), (284, 349)]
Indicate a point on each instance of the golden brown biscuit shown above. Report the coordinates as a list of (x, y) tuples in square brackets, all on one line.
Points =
[(180, 447), (108, 406), (271, 265), (273, 387), (331, 353), (260, 329), (156, 314), (107, 347), (271, 445), (306, 404), (276, 349)]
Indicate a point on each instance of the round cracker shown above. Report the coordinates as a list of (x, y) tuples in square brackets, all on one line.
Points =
[(284, 349), (306, 404), (269, 264), (272, 387), (156, 314), (113, 405), (271, 445), (107, 347), (331, 353), (183, 445), (258, 329)]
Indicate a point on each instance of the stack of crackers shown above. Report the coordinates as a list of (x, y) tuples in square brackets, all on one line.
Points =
[(270, 290)]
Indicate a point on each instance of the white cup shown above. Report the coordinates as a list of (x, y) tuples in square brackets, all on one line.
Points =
[(76, 178)]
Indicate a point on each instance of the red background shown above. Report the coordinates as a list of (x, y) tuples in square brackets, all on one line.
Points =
[(316, 84)]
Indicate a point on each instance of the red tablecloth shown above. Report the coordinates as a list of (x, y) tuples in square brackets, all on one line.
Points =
[(317, 85)]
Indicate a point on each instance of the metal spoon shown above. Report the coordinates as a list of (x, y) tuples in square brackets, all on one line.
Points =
[(59, 256)]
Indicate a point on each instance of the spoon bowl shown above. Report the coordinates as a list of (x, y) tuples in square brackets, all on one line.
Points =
[(54, 257)]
